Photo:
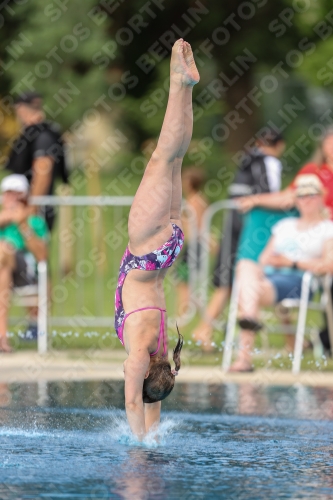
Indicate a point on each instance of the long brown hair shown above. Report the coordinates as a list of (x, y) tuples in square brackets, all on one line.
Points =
[(160, 381), (318, 156)]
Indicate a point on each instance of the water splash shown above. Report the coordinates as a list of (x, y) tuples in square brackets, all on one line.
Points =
[(156, 437)]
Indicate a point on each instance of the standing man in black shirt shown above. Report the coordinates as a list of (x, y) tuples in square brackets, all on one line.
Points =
[(38, 153)]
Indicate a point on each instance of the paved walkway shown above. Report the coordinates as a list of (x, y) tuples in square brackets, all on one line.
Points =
[(27, 366)]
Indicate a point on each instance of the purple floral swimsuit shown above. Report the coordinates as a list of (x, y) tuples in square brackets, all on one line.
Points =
[(161, 258)]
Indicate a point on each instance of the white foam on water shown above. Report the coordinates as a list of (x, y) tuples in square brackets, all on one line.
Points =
[(6, 464), (29, 433), (156, 437)]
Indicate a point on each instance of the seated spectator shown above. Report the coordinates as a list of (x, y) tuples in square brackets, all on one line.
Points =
[(297, 245), (22, 243)]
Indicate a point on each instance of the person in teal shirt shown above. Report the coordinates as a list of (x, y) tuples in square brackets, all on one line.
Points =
[(23, 243)]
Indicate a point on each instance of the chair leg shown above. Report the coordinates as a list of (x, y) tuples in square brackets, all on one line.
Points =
[(231, 327), (303, 308), (42, 308), (329, 308), (264, 343)]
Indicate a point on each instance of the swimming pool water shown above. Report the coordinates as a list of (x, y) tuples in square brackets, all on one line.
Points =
[(71, 441)]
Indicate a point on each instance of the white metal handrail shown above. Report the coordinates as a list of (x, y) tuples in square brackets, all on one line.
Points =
[(115, 201)]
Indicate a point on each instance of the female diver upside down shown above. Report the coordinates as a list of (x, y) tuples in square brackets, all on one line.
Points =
[(155, 222)]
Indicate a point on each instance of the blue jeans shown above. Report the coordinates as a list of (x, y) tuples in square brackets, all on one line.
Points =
[(286, 285)]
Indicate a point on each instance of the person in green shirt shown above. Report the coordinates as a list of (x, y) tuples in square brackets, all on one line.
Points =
[(23, 242)]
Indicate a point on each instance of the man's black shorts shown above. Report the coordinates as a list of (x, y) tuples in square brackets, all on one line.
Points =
[(25, 272), (224, 267)]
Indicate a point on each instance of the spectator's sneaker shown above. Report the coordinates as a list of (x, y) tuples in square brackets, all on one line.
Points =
[(250, 324), (240, 366), (325, 340), (31, 332)]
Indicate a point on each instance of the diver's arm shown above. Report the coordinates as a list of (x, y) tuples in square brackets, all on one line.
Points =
[(136, 367), (152, 415)]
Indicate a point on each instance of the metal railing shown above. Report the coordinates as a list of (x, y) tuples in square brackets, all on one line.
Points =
[(96, 236)]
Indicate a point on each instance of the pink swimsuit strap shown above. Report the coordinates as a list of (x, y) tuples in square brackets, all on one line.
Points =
[(161, 332)]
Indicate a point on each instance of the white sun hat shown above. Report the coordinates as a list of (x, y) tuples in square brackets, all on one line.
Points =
[(15, 182)]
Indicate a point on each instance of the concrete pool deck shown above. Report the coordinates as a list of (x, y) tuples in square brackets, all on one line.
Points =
[(28, 366)]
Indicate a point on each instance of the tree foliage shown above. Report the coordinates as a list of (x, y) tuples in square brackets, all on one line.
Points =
[(76, 52), (53, 54), (233, 42)]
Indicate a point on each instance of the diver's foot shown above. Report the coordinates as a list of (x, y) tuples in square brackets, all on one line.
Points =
[(182, 64)]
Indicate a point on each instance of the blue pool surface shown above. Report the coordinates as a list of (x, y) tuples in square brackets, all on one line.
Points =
[(71, 441)]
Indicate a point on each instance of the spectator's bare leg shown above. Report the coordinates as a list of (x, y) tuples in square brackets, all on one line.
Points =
[(254, 291), (7, 263), (183, 298), (284, 316), (204, 331)]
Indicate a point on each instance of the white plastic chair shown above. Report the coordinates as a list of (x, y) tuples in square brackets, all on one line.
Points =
[(303, 304), (36, 295)]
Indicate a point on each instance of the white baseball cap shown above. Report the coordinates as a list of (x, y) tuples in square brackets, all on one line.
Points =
[(307, 184), (15, 182)]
